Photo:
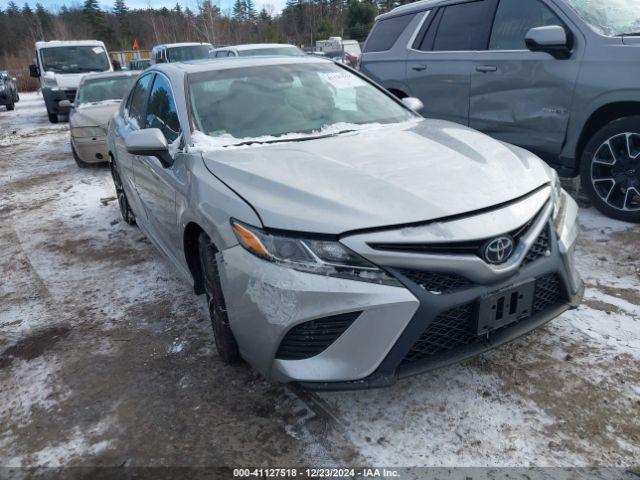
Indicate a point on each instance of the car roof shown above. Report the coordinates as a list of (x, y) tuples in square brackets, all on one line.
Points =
[(208, 65), (413, 7), (70, 43), (258, 46), (119, 73), (183, 44)]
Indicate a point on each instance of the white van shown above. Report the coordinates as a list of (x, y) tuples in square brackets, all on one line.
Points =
[(60, 65)]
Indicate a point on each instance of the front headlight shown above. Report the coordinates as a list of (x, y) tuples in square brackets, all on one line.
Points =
[(558, 200), (88, 132), (322, 257), (51, 84), (1, 88)]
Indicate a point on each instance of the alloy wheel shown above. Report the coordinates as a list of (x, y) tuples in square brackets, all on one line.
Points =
[(615, 172)]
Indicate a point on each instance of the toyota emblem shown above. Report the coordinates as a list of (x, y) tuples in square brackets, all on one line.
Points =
[(498, 250)]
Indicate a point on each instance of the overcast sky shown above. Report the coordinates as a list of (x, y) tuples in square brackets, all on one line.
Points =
[(276, 5)]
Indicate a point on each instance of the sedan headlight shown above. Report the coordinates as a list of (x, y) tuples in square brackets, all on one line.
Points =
[(88, 132), (322, 257)]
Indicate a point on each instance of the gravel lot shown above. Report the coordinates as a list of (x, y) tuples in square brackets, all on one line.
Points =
[(107, 357)]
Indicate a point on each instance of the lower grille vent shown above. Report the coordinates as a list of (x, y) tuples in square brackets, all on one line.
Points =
[(313, 337), (435, 282), (455, 328)]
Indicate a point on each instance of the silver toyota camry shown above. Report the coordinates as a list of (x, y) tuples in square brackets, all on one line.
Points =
[(342, 240)]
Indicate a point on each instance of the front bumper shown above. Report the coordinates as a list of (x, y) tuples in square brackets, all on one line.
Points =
[(91, 149), (392, 335)]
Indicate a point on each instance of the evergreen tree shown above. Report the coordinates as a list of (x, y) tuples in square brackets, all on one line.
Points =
[(93, 15), (26, 10), (12, 9), (249, 10), (120, 9), (238, 10)]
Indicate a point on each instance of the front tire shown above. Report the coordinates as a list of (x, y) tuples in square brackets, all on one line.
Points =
[(225, 340), (10, 106), (125, 208), (610, 169), (53, 117)]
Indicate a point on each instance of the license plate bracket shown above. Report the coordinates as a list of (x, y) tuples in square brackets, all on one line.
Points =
[(504, 307)]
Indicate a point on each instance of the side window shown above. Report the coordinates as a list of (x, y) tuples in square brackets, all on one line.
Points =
[(138, 101), (386, 32), (515, 18), (162, 112), (464, 26)]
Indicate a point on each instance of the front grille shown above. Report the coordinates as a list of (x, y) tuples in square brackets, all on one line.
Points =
[(539, 249), (71, 95), (310, 338), (455, 328), (453, 248), (449, 330), (436, 282), (548, 292)]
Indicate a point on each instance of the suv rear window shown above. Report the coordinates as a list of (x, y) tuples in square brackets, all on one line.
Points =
[(464, 26), (386, 32)]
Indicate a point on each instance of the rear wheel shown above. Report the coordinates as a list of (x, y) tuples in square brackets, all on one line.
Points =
[(125, 209), (610, 169), (10, 106), (225, 341)]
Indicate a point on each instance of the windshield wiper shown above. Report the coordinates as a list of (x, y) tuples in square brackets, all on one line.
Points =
[(282, 140), (630, 34)]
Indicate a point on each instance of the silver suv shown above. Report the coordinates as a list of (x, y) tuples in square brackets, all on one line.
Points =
[(557, 77)]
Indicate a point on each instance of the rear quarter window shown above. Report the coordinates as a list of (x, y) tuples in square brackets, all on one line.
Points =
[(385, 33)]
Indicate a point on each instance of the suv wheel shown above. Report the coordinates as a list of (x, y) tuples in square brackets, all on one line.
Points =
[(125, 209), (225, 341), (610, 169)]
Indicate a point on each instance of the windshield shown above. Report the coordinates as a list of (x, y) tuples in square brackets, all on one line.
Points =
[(286, 51), (275, 100), (76, 59), (610, 17), (100, 90), (191, 52)]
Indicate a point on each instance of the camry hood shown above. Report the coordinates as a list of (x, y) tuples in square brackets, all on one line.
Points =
[(391, 175), (92, 115)]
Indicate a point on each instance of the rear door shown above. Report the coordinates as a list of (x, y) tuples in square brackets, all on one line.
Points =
[(519, 96), (443, 54)]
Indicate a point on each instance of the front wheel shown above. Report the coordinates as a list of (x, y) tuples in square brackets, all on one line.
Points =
[(225, 340), (10, 106), (53, 117), (125, 209), (610, 169)]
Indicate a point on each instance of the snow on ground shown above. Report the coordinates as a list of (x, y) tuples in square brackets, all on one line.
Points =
[(106, 356)]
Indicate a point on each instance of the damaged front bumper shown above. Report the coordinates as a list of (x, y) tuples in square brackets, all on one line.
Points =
[(394, 332)]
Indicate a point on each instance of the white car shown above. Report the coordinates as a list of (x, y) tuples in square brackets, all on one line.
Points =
[(259, 49)]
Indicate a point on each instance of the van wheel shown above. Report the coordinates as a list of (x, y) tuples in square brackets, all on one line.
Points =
[(10, 106), (53, 117), (225, 341), (125, 209), (610, 169)]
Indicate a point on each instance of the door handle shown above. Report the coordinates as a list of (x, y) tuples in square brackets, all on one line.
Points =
[(419, 68), (486, 68)]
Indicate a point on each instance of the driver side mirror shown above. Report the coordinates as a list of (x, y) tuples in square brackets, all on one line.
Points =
[(65, 104), (552, 40), (34, 71), (149, 142), (413, 103)]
